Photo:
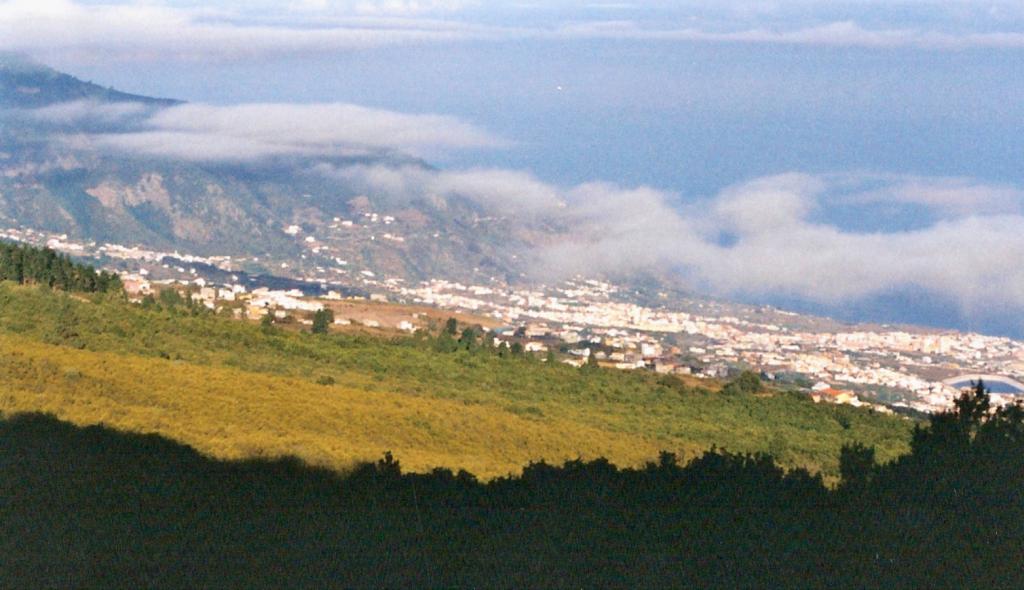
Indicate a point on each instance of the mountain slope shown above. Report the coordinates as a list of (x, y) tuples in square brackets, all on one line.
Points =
[(58, 175), (26, 84)]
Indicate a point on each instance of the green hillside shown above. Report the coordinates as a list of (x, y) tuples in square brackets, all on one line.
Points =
[(232, 389)]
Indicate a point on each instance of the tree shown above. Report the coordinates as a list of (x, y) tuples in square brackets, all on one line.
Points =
[(856, 465), (951, 432), (747, 382), (468, 339), (170, 298), (451, 327), (972, 407), (445, 342), (322, 320), (42, 266), (267, 322)]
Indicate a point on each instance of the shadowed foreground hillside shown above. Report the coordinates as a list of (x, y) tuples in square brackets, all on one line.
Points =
[(234, 390), (90, 507)]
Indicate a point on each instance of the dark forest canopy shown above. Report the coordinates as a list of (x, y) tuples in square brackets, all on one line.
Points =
[(93, 507), (42, 266)]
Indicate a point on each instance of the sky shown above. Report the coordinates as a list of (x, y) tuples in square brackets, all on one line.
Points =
[(860, 159)]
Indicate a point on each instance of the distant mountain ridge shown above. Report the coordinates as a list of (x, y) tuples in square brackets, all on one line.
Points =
[(53, 178), (27, 84)]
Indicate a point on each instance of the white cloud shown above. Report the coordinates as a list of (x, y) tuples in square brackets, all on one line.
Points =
[(946, 197), (147, 30), (839, 33), (201, 132), (506, 192), (765, 205), (380, 7), (79, 111), (406, 7), (970, 256)]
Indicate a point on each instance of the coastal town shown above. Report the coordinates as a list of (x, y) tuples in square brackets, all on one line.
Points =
[(915, 368), (588, 320)]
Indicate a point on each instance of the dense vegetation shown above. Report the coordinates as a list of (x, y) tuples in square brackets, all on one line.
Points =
[(235, 389), (42, 266), (91, 507)]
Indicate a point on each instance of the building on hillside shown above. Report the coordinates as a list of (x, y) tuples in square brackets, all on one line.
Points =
[(255, 312), (650, 350), (665, 366), (136, 286), (836, 396)]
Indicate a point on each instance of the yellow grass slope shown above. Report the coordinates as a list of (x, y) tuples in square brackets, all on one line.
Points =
[(229, 413)]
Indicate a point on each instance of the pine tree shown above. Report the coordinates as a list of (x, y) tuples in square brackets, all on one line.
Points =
[(451, 327), (322, 320), (468, 339)]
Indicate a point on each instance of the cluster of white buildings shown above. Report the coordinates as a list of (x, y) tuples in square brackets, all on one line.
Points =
[(594, 311)]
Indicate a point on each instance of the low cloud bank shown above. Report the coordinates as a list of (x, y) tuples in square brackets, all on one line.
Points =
[(199, 132), (89, 111), (763, 237)]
